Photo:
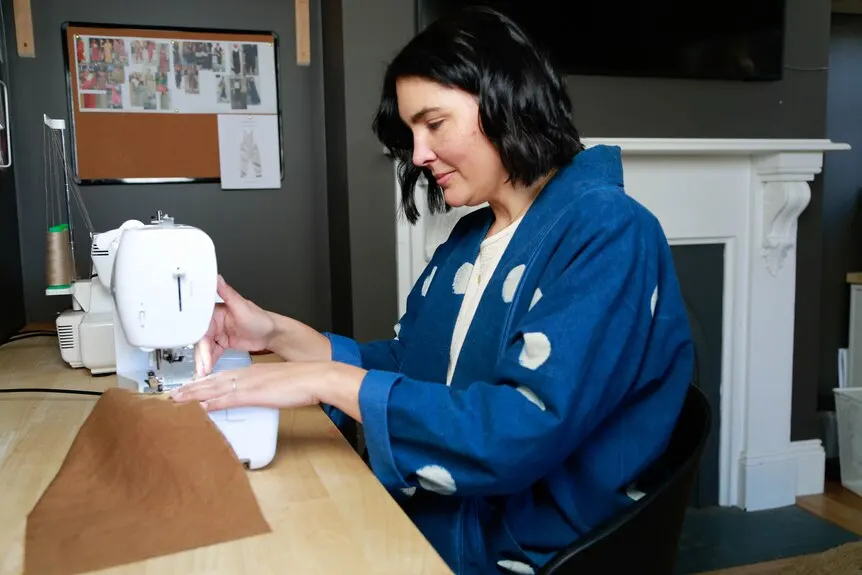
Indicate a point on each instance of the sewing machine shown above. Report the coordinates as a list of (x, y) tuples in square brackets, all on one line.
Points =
[(162, 278)]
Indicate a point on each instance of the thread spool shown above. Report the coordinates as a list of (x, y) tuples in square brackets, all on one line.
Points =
[(58, 257)]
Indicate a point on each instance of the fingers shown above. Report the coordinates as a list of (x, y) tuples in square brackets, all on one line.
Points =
[(213, 391), (203, 357), (207, 353), (227, 293)]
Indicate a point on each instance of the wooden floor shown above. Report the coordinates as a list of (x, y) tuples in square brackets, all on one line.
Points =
[(838, 505)]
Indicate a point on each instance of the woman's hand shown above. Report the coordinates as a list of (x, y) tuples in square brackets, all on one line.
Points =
[(280, 385), (236, 324)]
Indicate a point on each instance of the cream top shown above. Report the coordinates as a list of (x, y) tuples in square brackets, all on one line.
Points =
[(490, 253)]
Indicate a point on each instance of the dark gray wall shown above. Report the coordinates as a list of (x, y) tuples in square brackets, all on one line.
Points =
[(842, 184), (272, 245), (12, 317), (361, 183), (11, 295)]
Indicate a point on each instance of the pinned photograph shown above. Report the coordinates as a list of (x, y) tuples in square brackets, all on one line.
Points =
[(143, 51), (238, 93), (80, 50), (253, 94), (191, 80), (249, 65), (164, 57), (101, 66), (116, 74), (105, 50), (219, 63), (163, 91), (188, 53), (236, 60), (205, 55), (142, 86), (221, 90)]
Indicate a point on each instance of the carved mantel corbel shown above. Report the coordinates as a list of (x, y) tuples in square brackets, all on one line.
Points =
[(784, 195)]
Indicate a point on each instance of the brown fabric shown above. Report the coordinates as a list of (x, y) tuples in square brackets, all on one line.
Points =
[(144, 477)]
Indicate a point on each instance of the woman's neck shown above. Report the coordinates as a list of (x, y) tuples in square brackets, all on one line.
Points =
[(512, 202)]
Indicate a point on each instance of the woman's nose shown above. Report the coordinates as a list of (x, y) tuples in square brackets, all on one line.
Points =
[(422, 154)]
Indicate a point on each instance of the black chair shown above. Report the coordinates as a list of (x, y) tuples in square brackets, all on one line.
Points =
[(644, 538)]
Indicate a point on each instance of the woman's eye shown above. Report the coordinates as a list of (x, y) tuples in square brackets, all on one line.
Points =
[(434, 125)]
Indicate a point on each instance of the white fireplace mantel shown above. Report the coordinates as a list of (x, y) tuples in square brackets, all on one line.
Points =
[(747, 195)]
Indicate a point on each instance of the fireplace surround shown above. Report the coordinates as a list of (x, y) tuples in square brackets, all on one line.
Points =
[(747, 195)]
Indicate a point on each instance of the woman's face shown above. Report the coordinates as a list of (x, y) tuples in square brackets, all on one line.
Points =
[(447, 140)]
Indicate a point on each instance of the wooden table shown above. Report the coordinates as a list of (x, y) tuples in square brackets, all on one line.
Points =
[(328, 512)]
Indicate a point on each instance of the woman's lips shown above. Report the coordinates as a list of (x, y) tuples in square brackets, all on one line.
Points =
[(443, 179)]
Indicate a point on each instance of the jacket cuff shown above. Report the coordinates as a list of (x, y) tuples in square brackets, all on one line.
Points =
[(344, 350), (374, 408)]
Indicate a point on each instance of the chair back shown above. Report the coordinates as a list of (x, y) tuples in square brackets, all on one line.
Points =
[(645, 537)]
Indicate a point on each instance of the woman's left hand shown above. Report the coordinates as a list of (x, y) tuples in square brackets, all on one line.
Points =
[(278, 385), (261, 384)]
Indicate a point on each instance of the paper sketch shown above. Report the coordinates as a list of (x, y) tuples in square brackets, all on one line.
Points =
[(249, 152)]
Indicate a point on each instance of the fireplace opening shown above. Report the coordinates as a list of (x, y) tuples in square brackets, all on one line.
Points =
[(700, 269)]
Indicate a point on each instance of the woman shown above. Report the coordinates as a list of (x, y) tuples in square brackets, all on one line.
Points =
[(545, 352)]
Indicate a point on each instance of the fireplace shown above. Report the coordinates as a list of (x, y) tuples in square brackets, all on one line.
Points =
[(700, 269), (739, 199)]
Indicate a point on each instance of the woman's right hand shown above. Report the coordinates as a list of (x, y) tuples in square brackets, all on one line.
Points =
[(236, 324)]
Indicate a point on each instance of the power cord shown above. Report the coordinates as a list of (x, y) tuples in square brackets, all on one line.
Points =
[(34, 333), (28, 334), (49, 390), (42, 333)]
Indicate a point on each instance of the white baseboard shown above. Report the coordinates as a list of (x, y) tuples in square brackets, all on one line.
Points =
[(810, 466), (776, 480)]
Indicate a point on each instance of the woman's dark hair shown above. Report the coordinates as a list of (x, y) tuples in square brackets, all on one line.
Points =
[(524, 109)]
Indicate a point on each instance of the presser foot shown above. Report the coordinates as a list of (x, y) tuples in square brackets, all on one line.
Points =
[(173, 368)]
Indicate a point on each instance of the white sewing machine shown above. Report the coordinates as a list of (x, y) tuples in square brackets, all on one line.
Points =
[(162, 278)]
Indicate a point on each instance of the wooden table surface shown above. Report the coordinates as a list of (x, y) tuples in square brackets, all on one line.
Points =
[(328, 512)]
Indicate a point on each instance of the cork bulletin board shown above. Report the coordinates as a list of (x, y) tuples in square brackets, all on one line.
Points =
[(144, 102)]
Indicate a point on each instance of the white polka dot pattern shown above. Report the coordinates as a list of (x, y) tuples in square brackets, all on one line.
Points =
[(462, 278), (537, 295), (531, 396), (653, 301), (427, 283), (537, 350), (437, 479), (512, 281), (516, 567)]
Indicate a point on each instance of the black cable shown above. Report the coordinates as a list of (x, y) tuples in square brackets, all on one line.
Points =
[(26, 334), (49, 390)]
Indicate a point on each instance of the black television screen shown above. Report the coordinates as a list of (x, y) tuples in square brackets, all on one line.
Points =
[(729, 39)]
